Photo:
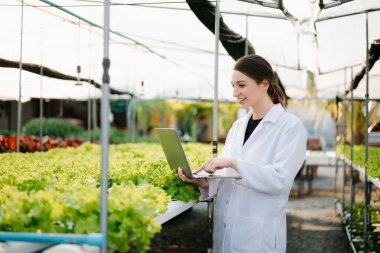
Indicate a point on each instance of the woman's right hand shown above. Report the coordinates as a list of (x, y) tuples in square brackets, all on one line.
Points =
[(201, 182)]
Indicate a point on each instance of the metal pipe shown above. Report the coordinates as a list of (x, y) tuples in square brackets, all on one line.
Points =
[(105, 128), (339, 69), (41, 108), (348, 14), (89, 91), (216, 77), (333, 4), (41, 95), (98, 26), (210, 204), (366, 214), (256, 14), (246, 36), (19, 106), (337, 133), (344, 141), (352, 189), (262, 3), (89, 114)]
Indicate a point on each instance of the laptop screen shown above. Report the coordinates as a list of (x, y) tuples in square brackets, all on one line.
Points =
[(173, 150)]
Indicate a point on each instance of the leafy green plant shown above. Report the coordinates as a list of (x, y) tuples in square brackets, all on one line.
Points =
[(53, 127), (58, 191), (6, 132), (119, 137), (373, 164), (357, 229)]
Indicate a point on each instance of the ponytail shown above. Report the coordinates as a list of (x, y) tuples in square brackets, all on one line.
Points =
[(276, 94)]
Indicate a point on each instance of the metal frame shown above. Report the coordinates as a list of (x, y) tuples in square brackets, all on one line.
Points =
[(278, 5), (333, 4), (96, 239)]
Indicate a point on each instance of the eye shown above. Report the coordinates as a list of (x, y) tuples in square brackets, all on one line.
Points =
[(239, 85)]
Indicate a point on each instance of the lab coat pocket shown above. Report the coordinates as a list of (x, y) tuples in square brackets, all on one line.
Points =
[(246, 235)]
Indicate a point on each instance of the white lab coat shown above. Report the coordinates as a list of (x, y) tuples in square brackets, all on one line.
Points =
[(249, 215)]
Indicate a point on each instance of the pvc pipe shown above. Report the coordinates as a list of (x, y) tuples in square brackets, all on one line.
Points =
[(91, 239)]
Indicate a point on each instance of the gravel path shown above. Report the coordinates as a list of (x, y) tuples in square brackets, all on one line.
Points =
[(314, 226)]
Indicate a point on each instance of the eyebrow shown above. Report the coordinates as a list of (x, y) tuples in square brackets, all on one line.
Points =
[(237, 82)]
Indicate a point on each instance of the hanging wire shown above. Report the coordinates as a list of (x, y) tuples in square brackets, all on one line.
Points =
[(19, 106), (41, 94), (89, 88)]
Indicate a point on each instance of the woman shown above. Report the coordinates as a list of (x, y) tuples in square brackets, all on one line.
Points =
[(267, 148)]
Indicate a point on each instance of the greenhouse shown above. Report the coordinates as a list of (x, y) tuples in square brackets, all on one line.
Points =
[(189, 126)]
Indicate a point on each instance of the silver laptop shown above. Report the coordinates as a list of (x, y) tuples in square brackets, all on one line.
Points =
[(176, 157)]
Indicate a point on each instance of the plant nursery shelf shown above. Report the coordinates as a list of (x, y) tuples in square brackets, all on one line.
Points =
[(374, 181), (340, 210)]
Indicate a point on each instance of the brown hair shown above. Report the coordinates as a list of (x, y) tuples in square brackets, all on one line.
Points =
[(259, 69)]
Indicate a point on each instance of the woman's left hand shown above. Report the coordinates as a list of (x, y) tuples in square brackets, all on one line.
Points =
[(214, 164)]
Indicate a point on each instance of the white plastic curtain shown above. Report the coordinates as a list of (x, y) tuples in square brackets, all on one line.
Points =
[(182, 61)]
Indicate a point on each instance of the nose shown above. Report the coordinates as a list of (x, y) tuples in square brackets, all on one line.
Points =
[(236, 92)]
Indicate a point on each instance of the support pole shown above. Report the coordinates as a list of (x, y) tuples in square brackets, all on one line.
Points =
[(105, 129), (338, 140), (41, 95), (216, 80), (19, 106), (246, 35), (41, 108), (89, 91), (352, 188), (344, 138), (366, 197), (211, 203)]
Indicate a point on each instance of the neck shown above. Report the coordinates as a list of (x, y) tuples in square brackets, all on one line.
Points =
[(261, 109)]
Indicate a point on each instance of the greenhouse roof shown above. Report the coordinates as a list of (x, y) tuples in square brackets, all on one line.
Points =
[(161, 50)]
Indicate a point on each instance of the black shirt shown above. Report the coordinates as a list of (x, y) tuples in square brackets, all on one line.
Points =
[(252, 124)]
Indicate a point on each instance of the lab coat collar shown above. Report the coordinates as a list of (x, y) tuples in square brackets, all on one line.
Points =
[(274, 113), (271, 116)]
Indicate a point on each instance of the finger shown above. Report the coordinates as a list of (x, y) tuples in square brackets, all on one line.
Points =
[(210, 166), (182, 175), (200, 168), (210, 170), (203, 166)]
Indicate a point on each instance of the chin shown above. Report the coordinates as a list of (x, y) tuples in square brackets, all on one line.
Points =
[(243, 106)]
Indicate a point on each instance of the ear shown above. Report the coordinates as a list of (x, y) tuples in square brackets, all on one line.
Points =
[(265, 83)]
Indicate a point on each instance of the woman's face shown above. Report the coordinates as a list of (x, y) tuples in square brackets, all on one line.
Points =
[(247, 91)]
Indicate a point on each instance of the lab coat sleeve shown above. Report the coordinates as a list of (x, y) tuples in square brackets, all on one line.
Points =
[(209, 193), (275, 177)]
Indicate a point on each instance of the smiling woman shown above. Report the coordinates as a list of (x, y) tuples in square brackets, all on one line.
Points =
[(267, 148)]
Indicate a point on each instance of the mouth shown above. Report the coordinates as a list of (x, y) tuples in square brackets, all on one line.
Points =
[(241, 100)]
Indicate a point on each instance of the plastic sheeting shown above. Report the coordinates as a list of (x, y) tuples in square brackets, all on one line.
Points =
[(182, 64)]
